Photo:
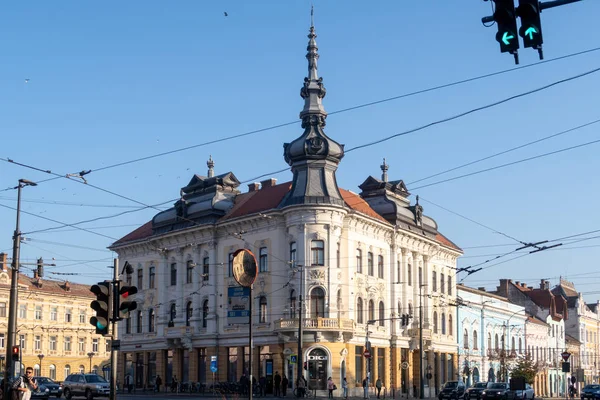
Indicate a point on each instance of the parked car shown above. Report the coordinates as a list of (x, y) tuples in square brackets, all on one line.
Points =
[(496, 390), (453, 390), (528, 393), (55, 388), (88, 385), (42, 393), (474, 392), (590, 392)]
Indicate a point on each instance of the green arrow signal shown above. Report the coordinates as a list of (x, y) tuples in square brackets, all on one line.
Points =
[(506, 38), (530, 31)]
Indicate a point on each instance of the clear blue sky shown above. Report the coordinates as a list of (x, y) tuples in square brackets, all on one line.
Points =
[(114, 81)]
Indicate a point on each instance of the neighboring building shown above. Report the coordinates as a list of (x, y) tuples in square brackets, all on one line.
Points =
[(552, 309), (491, 335), (574, 347), (583, 325), (53, 325), (352, 258), (536, 334)]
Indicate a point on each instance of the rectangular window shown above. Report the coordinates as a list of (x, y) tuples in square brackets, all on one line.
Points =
[(358, 364), (151, 275), (434, 281), (230, 265), (37, 342), (23, 311), (67, 343), (52, 343), (173, 274), (139, 322), (82, 316), (370, 263), (81, 344), (232, 364), (38, 313), (442, 283), (68, 312), (380, 267), (409, 274), (359, 261), (22, 341), (95, 345), (381, 364), (189, 271), (205, 268), (2, 342), (128, 324), (317, 251), (263, 259), (293, 255), (140, 281), (449, 286), (2, 309)]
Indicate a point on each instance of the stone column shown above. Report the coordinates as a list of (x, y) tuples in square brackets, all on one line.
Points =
[(198, 280), (427, 303)]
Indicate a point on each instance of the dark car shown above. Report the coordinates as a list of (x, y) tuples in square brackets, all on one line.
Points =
[(54, 388), (590, 392), (528, 393), (42, 393), (474, 392), (496, 390), (452, 390), (87, 385)]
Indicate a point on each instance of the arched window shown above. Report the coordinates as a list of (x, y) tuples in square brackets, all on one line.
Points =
[(292, 304), (189, 310), (520, 346), (359, 311), (67, 370), (173, 312), (443, 323), (489, 346), (496, 342), (450, 331), (466, 339), (262, 310), (151, 320), (512, 344), (204, 313), (435, 322), (36, 370), (371, 310), (410, 310), (317, 303), (475, 346), (381, 314), (53, 372)]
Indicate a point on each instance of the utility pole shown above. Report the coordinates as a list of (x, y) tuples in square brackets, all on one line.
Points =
[(113, 352), (14, 289), (300, 364), (421, 380)]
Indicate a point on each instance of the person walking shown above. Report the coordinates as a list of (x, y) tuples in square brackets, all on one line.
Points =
[(277, 384), (345, 388), (378, 385), (330, 387), (365, 388), (157, 383), (300, 386), (24, 385), (129, 382), (284, 385)]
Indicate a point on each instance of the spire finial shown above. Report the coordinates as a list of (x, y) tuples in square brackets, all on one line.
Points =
[(312, 15), (211, 165), (313, 90), (384, 169)]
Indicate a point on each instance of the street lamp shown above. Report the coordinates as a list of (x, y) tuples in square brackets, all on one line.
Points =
[(14, 287), (421, 377), (90, 355), (41, 357)]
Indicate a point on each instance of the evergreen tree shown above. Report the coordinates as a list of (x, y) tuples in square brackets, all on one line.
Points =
[(525, 368)]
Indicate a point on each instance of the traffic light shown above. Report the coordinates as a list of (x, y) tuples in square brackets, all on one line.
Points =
[(40, 267), (506, 18), (16, 353), (125, 304), (531, 24), (101, 306)]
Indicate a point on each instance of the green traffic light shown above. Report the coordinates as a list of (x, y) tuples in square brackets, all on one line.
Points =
[(530, 32), (506, 37)]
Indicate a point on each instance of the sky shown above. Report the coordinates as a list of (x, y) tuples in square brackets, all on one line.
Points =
[(85, 85)]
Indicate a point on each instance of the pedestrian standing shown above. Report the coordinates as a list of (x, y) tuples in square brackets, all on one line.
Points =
[(277, 384), (330, 387), (158, 383), (378, 385), (345, 388), (24, 385), (284, 385)]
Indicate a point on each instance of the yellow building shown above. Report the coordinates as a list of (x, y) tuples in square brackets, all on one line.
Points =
[(53, 327)]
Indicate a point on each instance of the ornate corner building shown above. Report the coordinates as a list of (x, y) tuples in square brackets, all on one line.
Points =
[(350, 264), (53, 328)]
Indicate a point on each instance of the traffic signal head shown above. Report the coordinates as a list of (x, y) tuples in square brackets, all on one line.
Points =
[(126, 305), (101, 306), (531, 24), (16, 353), (506, 19)]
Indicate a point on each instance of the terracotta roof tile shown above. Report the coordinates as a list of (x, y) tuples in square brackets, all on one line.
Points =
[(536, 320), (56, 287), (142, 232), (356, 203), (447, 242), (261, 200)]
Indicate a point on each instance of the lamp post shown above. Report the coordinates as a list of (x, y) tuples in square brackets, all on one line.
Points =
[(41, 357), (90, 355), (505, 346), (300, 363), (421, 377), (14, 287)]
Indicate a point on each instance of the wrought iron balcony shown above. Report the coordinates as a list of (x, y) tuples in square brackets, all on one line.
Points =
[(315, 324)]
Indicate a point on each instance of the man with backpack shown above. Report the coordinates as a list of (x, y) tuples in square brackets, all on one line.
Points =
[(24, 385)]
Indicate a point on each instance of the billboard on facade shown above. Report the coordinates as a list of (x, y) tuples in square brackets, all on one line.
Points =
[(238, 310)]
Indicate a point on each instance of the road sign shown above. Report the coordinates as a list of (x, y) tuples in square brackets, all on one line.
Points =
[(565, 355), (404, 365), (367, 354), (213, 364), (116, 344), (293, 358)]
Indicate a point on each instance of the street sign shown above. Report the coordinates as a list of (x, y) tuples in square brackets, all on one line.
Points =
[(367, 354), (293, 358), (566, 367), (213, 364), (404, 365), (565, 355), (116, 344)]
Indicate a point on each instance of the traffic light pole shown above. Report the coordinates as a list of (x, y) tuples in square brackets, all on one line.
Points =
[(113, 352), (543, 6)]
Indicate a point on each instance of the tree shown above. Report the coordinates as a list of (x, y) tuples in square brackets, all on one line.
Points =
[(525, 368)]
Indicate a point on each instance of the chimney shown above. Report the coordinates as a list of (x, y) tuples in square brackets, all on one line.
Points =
[(481, 288), (517, 283), (503, 287), (268, 183), (67, 286), (254, 187), (3, 265), (544, 284), (530, 287)]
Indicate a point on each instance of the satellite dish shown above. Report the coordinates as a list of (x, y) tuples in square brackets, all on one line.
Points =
[(244, 267)]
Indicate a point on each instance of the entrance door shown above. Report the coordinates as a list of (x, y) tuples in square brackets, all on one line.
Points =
[(317, 370)]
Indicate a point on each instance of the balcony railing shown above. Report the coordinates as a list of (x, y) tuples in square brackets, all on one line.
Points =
[(316, 324), (179, 331)]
